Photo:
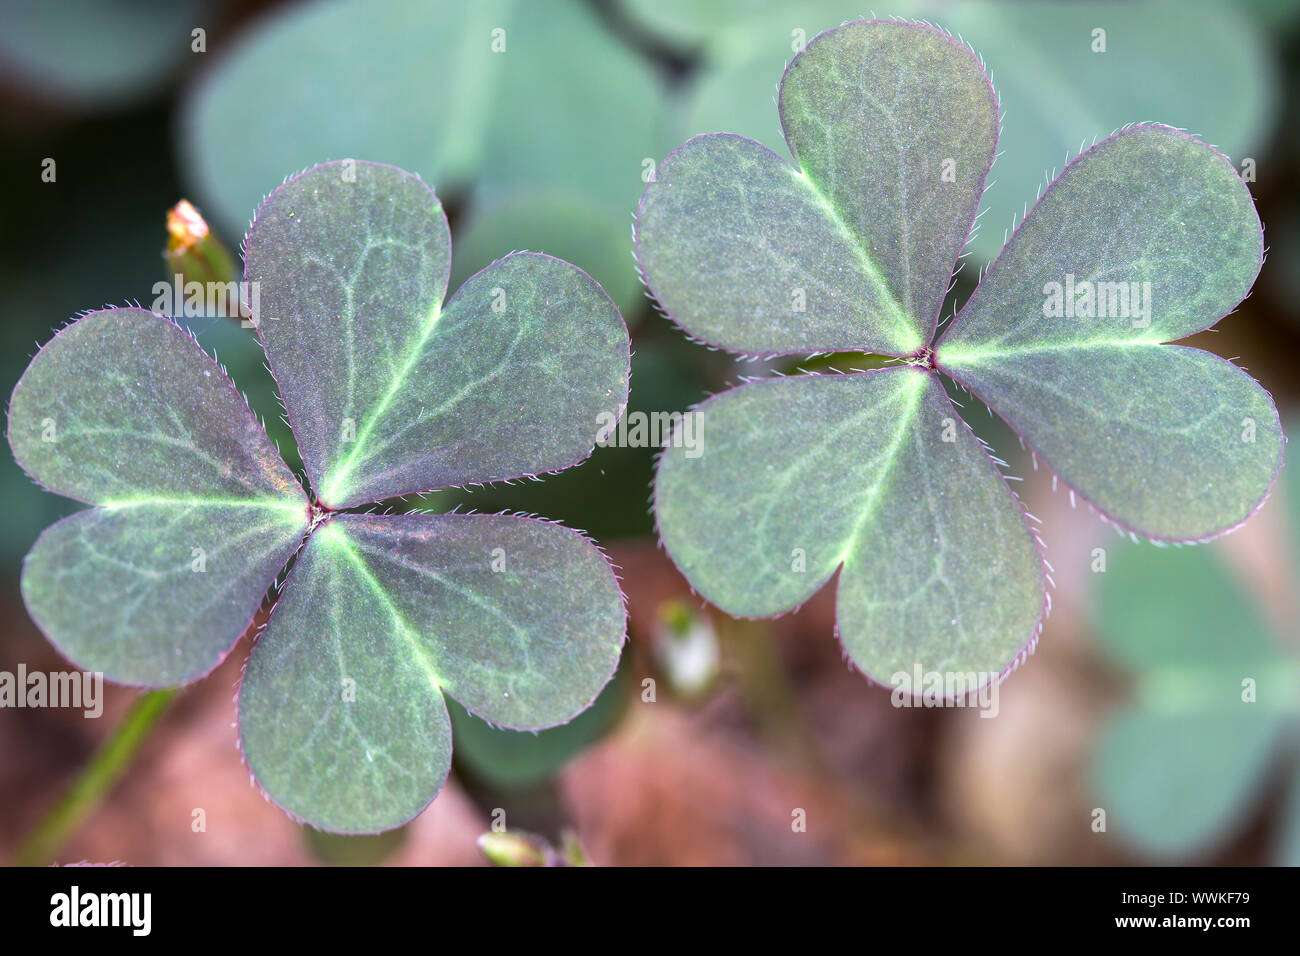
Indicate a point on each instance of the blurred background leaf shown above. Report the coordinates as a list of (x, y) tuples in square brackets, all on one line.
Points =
[(525, 102), (513, 759), (96, 53), (1179, 768), (343, 849)]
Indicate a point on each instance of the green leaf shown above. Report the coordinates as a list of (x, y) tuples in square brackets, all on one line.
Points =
[(503, 96), (896, 127), (1172, 443), (389, 391), (162, 423), (872, 471), (96, 52), (1149, 204), (743, 252), (893, 128), (1181, 766), (341, 711), (1174, 784), (156, 595), (196, 511)]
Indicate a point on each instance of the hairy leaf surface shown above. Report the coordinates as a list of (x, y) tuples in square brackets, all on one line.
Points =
[(156, 594), (744, 252), (896, 129), (160, 422)]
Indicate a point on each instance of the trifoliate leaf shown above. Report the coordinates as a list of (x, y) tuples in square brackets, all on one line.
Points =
[(893, 125), (391, 391)]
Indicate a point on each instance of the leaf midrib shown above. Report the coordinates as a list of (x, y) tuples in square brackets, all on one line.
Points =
[(960, 356), (417, 651), (330, 487), (891, 456), (896, 311), (298, 508)]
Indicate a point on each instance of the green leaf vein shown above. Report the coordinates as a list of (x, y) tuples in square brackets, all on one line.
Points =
[(896, 311)]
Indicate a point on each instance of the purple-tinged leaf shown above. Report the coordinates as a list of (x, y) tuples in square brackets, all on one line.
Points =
[(893, 126), (196, 512)]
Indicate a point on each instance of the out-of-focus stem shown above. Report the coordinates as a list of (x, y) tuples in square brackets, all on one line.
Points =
[(195, 254), (96, 779)]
